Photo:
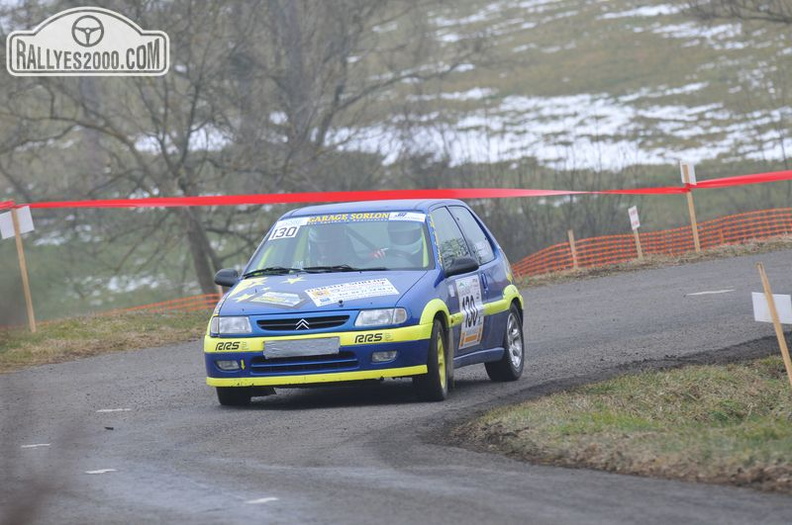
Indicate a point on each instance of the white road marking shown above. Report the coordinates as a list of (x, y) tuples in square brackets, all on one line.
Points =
[(713, 292), (37, 445), (101, 471), (260, 501), (106, 410)]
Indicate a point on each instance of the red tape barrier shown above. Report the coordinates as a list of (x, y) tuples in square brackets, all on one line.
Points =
[(317, 196), (757, 178), (346, 196)]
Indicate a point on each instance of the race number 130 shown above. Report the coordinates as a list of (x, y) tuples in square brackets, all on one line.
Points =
[(284, 232), (286, 229), (472, 308)]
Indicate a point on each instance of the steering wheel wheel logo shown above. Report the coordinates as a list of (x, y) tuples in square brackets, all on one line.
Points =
[(87, 31)]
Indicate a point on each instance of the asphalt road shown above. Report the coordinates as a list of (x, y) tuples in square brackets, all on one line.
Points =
[(138, 437)]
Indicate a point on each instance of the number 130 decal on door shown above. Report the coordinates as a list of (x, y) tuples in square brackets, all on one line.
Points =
[(472, 308)]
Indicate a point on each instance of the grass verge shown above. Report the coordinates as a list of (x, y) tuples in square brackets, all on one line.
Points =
[(725, 424), (58, 341)]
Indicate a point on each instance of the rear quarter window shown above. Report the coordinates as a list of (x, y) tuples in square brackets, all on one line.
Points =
[(451, 242), (479, 242)]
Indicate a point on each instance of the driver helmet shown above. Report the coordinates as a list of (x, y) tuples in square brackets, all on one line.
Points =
[(406, 236), (327, 241)]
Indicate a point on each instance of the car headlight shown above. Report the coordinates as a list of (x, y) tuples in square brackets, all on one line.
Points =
[(381, 317), (230, 325)]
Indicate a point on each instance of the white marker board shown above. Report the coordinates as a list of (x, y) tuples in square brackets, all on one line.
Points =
[(783, 304), (635, 222), (7, 222)]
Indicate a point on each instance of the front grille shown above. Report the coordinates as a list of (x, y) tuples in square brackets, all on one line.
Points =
[(341, 362), (302, 323)]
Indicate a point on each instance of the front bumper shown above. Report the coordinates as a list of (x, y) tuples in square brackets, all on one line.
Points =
[(353, 362)]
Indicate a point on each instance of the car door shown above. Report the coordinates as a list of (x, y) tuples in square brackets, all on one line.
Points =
[(465, 291), (491, 270)]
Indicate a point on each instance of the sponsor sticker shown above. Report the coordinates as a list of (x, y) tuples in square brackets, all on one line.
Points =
[(328, 219), (472, 308), (350, 291), (287, 299), (371, 216), (483, 250), (241, 292), (231, 346), (365, 339), (407, 216), (87, 41), (287, 229)]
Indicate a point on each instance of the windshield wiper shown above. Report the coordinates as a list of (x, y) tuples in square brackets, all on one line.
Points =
[(339, 268), (271, 270), (328, 269)]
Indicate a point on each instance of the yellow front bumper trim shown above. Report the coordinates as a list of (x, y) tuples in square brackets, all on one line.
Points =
[(256, 344), (312, 379)]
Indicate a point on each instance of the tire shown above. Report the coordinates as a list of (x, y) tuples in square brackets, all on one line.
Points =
[(433, 386), (510, 366), (233, 396)]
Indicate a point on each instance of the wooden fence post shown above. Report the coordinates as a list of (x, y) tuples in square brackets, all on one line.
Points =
[(691, 207), (638, 244), (573, 248), (779, 330), (23, 269), (635, 223)]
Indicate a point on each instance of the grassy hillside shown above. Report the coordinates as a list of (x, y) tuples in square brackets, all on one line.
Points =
[(564, 94), (607, 84)]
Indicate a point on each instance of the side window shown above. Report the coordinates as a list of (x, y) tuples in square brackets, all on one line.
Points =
[(473, 232), (449, 237)]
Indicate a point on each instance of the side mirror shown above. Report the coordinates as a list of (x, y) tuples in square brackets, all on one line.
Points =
[(227, 277), (461, 265)]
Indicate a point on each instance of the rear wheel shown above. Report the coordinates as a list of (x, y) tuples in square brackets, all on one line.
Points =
[(433, 386), (234, 396), (510, 366)]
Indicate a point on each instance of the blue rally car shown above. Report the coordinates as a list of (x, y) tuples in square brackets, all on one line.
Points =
[(366, 291)]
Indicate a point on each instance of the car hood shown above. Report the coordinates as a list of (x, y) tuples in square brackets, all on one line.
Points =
[(318, 291)]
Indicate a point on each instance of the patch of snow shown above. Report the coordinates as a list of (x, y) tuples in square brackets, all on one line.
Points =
[(721, 37), (583, 130), (386, 28), (205, 138), (123, 284), (471, 94), (643, 12)]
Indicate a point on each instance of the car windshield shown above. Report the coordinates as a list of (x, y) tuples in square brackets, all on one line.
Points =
[(370, 241)]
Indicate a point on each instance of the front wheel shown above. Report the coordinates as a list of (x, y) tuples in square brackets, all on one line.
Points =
[(234, 396), (434, 385), (510, 366)]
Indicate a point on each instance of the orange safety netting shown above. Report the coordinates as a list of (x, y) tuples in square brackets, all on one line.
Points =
[(610, 249), (184, 304), (193, 303)]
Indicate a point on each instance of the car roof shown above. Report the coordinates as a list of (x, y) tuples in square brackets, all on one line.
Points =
[(422, 205)]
